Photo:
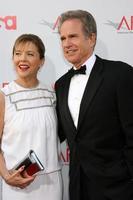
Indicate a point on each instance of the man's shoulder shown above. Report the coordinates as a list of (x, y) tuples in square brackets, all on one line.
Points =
[(63, 78), (116, 64)]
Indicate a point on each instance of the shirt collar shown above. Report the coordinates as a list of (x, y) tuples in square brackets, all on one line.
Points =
[(89, 63)]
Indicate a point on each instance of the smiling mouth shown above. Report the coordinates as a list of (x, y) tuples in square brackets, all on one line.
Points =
[(70, 52), (24, 67)]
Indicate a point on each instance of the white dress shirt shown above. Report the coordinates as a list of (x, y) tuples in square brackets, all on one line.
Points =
[(76, 89)]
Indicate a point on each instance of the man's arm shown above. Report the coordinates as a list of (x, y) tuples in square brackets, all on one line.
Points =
[(60, 129), (125, 109)]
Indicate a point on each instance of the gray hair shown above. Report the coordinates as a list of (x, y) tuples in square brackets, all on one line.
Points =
[(87, 20)]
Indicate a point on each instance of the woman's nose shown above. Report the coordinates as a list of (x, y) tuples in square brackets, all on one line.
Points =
[(23, 56)]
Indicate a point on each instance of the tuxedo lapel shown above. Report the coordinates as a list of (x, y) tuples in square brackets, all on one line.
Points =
[(92, 86)]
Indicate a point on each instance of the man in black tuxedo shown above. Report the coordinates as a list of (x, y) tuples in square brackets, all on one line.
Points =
[(95, 113)]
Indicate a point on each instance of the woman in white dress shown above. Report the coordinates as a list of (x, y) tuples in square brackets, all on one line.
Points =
[(28, 121)]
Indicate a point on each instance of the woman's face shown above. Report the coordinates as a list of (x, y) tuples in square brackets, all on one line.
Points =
[(27, 60)]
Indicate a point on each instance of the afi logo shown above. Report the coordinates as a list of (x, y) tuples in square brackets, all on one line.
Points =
[(52, 26), (4, 84), (65, 156), (128, 24), (9, 22), (56, 23)]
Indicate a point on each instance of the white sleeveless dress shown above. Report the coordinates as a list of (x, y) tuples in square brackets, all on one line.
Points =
[(31, 123)]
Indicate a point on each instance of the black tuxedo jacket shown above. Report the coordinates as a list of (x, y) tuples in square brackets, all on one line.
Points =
[(102, 144)]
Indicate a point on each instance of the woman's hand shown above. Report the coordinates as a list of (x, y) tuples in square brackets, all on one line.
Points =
[(19, 178)]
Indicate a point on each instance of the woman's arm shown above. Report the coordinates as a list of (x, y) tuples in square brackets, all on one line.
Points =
[(3, 170), (13, 178)]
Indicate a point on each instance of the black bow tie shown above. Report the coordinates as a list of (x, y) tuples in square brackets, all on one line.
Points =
[(82, 70)]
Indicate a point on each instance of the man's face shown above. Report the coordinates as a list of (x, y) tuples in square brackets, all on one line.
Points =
[(76, 46)]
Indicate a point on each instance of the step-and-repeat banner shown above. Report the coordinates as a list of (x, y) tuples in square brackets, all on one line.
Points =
[(115, 38)]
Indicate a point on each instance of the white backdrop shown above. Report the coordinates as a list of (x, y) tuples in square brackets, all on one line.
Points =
[(115, 36)]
